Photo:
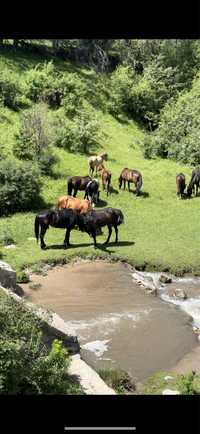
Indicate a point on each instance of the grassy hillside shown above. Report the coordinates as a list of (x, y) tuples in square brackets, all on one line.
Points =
[(160, 232)]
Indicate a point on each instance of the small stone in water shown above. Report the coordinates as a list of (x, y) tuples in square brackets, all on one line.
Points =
[(180, 293), (168, 377), (165, 279)]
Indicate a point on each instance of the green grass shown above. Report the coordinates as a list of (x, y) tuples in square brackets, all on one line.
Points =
[(186, 384), (160, 232)]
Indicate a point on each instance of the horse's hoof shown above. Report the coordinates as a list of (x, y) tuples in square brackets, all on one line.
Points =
[(43, 247)]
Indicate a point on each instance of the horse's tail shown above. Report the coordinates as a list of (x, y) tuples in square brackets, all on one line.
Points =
[(37, 227), (139, 184), (69, 186), (120, 218)]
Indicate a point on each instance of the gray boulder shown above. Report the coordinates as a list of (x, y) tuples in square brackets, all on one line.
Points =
[(165, 279), (7, 276), (180, 293)]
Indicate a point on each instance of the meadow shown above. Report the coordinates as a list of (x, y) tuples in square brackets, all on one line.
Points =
[(159, 233)]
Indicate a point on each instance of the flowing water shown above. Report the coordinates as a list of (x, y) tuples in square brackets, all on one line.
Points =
[(117, 323)]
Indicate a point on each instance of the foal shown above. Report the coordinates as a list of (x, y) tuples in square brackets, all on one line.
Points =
[(80, 205), (105, 178)]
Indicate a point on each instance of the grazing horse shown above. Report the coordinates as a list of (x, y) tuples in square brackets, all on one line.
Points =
[(80, 205), (95, 161), (92, 191), (105, 178), (64, 219), (180, 182), (130, 175), (94, 220), (195, 180), (77, 183)]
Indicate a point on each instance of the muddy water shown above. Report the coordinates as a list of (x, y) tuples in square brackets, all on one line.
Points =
[(117, 323)]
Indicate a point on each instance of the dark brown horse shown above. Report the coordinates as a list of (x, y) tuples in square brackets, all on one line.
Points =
[(130, 175), (75, 183), (94, 220), (194, 181), (180, 182), (64, 219)]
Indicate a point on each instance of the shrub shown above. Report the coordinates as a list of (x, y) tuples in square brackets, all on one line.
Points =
[(19, 186), (186, 384), (9, 89), (41, 84), (33, 139), (81, 134), (118, 379), (6, 237), (27, 364), (178, 134), (23, 277)]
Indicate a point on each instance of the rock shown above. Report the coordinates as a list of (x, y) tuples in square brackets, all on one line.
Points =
[(151, 291), (168, 377), (180, 293), (170, 392), (7, 276), (165, 279), (10, 246)]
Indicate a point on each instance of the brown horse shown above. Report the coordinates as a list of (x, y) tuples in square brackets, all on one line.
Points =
[(105, 178), (82, 206), (180, 182), (130, 175)]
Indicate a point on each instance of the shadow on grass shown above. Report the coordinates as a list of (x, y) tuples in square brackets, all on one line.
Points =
[(144, 194), (101, 204), (101, 246), (113, 190)]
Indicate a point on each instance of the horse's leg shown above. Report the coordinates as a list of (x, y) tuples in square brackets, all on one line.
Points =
[(124, 184), (66, 240), (75, 192), (128, 185), (42, 234), (109, 234), (116, 233), (93, 233)]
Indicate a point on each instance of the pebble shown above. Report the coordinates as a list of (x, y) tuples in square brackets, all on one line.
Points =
[(170, 392)]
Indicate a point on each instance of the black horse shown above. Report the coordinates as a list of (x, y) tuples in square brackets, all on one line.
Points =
[(94, 220), (76, 183), (64, 219), (180, 183), (195, 181)]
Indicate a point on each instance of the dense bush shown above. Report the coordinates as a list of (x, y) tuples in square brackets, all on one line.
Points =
[(34, 138), (81, 134), (142, 96), (19, 186), (10, 90), (178, 134), (27, 364), (42, 84)]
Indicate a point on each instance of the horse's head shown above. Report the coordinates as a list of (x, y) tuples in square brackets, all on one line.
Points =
[(104, 156)]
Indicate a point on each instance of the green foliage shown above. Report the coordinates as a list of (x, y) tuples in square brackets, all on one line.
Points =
[(142, 97), (179, 129), (10, 90), (34, 138), (186, 384), (42, 84), (23, 277), (27, 364), (118, 379), (6, 237), (80, 134), (19, 186)]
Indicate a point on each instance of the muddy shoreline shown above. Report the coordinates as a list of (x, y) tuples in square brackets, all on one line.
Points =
[(188, 362)]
